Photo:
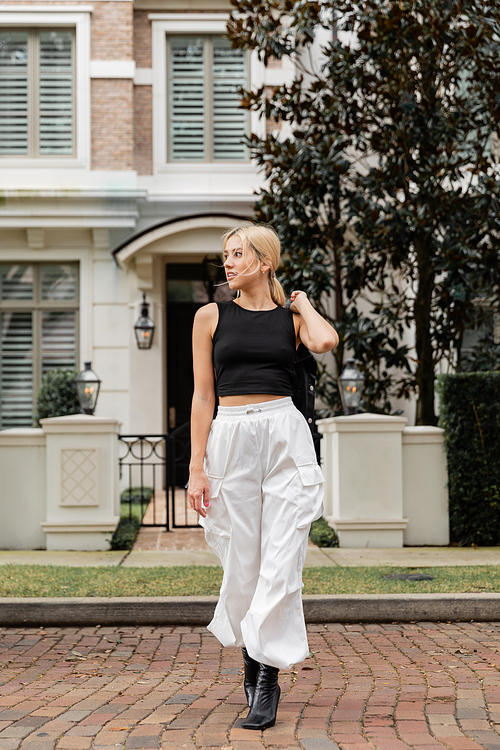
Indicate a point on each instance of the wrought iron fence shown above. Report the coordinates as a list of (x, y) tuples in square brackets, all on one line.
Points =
[(182, 513), (156, 470)]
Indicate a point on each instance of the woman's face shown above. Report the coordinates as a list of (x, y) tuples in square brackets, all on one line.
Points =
[(238, 267)]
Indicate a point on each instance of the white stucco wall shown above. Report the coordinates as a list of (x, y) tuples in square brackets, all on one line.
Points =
[(22, 488)]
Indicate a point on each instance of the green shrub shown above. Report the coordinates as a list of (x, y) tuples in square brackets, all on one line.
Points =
[(133, 495), (129, 524), (125, 533), (322, 534), (470, 416), (57, 395)]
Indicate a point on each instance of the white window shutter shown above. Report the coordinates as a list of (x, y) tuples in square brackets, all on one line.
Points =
[(187, 98), (56, 85), (59, 282), (58, 340), (230, 123), (40, 293), (16, 282), (14, 138), (16, 369)]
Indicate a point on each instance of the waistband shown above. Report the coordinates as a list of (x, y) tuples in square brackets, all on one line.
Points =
[(252, 411)]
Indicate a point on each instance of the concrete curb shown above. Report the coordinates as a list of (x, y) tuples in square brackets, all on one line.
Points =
[(194, 610)]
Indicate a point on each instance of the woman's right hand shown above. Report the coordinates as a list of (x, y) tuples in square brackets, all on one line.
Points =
[(199, 491)]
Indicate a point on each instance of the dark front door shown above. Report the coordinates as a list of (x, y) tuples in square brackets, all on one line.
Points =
[(180, 316), (185, 295), (189, 287)]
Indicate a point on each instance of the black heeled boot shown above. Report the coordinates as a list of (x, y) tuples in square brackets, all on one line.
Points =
[(265, 700), (251, 672)]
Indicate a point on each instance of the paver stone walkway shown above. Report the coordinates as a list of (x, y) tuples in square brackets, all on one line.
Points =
[(365, 687)]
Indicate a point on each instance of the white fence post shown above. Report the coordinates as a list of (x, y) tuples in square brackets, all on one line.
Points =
[(83, 502), (425, 492), (362, 460), (386, 484), (22, 488)]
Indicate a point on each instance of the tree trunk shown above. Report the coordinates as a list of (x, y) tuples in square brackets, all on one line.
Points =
[(425, 360), (339, 303)]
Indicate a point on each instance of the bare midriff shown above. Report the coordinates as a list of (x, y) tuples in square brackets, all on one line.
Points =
[(249, 398)]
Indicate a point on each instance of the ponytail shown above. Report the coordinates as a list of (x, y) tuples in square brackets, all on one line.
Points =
[(276, 290)]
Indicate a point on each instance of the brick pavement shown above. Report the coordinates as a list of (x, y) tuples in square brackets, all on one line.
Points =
[(156, 539), (390, 687)]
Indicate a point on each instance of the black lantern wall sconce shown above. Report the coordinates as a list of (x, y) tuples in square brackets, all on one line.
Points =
[(351, 387), (144, 327), (87, 387)]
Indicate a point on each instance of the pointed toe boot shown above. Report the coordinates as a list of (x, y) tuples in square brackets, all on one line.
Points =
[(251, 672), (265, 700)]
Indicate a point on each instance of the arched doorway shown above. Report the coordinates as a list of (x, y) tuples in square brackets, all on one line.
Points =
[(175, 263)]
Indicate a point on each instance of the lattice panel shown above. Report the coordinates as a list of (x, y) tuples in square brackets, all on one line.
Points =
[(79, 477)]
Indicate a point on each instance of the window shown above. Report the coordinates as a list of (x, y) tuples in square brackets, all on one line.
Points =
[(37, 106), (38, 333), (487, 326), (205, 123)]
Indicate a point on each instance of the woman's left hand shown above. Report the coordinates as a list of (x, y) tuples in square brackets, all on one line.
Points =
[(296, 299)]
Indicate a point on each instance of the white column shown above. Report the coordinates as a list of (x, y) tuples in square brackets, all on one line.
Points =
[(362, 461), (83, 502), (425, 492)]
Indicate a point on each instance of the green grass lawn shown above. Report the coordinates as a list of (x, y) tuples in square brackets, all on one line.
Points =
[(52, 580)]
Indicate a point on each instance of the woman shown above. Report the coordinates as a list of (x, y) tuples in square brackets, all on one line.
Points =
[(254, 478)]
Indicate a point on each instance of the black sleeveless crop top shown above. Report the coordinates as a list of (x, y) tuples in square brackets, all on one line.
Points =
[(254, 350)]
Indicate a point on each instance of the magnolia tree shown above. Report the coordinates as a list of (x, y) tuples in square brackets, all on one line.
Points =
[(383, 178)]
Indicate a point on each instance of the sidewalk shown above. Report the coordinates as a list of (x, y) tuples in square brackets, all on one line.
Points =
[(156, 547)]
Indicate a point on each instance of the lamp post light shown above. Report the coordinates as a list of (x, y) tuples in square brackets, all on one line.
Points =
[(351, 387), (144, 327), (87, 387)]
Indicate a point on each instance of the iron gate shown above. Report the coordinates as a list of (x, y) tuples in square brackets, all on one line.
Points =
[(155, 471)]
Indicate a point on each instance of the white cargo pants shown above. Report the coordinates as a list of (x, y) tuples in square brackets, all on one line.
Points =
[(266, 488)]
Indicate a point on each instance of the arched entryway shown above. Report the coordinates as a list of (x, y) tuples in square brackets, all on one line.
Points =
[(177, 263)]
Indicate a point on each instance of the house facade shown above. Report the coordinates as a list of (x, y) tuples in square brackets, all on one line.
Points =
[(121, 164)]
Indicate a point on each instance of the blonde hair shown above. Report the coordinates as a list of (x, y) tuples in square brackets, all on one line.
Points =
[(265, 244)]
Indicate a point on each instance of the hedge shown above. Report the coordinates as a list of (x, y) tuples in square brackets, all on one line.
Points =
[(470, 416), (322, 534), (125, 533), (129, 524)]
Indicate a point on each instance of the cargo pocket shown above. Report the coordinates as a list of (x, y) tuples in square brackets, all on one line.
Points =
[(215, 485), (310, 474), (216, 523), (310, 497)]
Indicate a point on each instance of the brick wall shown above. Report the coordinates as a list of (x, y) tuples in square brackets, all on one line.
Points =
[(143, 96), (143, 129), (112, 123), (112, 99), (111, 31), (142, 39)]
